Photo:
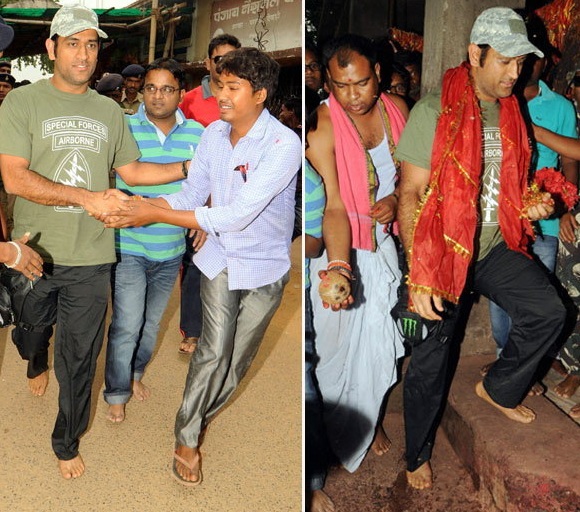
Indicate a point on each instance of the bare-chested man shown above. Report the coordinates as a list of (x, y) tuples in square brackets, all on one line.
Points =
[(463, 213), (351, 146)]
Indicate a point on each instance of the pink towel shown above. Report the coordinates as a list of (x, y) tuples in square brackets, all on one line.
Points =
[(353, 169)]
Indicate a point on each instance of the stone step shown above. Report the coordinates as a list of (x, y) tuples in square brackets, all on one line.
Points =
[(514, 467)]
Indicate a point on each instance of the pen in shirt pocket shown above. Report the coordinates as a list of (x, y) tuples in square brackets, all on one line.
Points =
[(243, 169)]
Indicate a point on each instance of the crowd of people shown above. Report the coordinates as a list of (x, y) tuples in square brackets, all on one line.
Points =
[(121, 186), (412, 203)]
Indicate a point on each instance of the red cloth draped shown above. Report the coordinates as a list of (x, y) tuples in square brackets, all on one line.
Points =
[(444, 233)]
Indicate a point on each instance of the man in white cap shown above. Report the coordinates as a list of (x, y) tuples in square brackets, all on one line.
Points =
[(64, 140), (465, 215)]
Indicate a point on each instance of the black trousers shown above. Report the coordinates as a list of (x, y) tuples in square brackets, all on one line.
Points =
[(190, 320), (519, 286), (317, 454), (75, 298)]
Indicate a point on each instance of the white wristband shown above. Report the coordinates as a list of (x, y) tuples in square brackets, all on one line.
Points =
[(18, 255)]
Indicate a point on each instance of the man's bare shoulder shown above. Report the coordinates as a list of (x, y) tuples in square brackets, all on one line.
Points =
[(321, 131), (323, 113), (400, 103)]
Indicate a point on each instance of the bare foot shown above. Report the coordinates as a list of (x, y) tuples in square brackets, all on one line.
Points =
[(116, 413), (537, 389), (485, 368), (321, 502), (422, 477), (71, 468), (188, 345), (575, 411), (519, 413), (190, 472), (568, 386), (38, 384), (140, 391), (381, 443)]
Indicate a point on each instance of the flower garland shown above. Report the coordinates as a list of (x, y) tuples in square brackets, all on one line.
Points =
[(550, 180)]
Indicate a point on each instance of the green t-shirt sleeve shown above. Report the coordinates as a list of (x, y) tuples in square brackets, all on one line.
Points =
[(126, 150), (14, 120), (416, 141)]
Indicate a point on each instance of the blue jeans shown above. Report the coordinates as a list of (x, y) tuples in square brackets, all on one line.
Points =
[(141, 290), (545, 249)]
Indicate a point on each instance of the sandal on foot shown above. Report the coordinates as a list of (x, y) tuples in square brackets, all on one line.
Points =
[(178, 477), (188, 345)]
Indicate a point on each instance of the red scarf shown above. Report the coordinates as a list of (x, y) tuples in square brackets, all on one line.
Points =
[(444, 233)]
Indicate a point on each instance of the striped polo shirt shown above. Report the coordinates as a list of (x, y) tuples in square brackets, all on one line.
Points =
[(158, 241), (314, 204)]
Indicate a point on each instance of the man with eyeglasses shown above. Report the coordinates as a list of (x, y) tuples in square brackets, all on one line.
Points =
[(313, 78), (401, 83), (201, 105), (149, 257), (64, 139)]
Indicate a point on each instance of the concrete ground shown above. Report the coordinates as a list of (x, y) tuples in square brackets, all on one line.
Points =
[(380, 484), (516, 467), (251, 454), (482, 461)]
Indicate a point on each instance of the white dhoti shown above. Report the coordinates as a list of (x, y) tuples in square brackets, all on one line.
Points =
[(358, 350)]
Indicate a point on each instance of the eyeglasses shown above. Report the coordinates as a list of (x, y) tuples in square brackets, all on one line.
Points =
[(399, 88), (313, 66), (166, 90), (217, 58)]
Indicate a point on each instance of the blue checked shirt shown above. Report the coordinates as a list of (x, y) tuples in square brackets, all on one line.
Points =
[(252, 186)]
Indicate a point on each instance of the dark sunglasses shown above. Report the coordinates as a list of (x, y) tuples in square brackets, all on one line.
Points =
[(217, 58), (576, 81)]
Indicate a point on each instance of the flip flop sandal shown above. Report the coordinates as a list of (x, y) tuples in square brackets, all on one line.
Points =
[(178, 477), (190, 342)]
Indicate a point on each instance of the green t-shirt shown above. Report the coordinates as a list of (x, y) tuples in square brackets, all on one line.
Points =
[(416, 144), (73, 139)]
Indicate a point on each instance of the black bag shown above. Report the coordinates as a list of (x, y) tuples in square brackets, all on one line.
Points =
[(14, 287), (6, 314)]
